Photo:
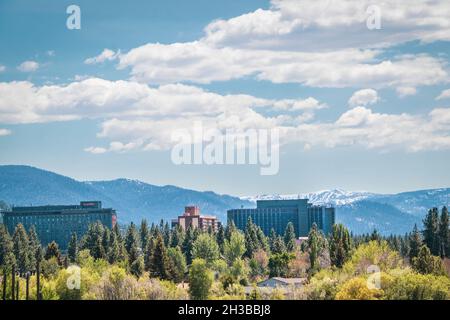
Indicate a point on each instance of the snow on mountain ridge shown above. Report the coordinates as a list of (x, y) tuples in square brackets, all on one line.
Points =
[(334, 197)]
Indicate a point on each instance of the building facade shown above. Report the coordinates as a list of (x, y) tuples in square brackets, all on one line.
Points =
[(192, 217), (57, 223), (277, 214)]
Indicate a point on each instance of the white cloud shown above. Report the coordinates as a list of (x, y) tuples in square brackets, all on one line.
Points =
[(406, 91), (136, 116), (364, 97), (2, 68), (106, 55), (362, 127), (325, 24), (445, 94), (28, 66), (200, 63), (4, 132)]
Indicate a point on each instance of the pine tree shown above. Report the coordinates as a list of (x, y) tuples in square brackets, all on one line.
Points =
[(415, 243), (93, 240), (316, 244), (177, 237), (131, 242), (113, 253), (188, 244), (231, 227), (7, 258), (137, 267), (21, 249), (144, 233), (430, 232), (340, 245), (279, 246), (272, 239), (33, 246), (289, 237), (177, 264), (220, 237), (148, 253), (72, 249), (160, 263), (167, 234), (426, 263), (52, 251), (444, 234)]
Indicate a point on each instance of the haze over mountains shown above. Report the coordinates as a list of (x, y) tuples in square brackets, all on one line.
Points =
[(134, 200)]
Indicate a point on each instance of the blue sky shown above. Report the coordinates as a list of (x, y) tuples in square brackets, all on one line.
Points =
[(362, 109)]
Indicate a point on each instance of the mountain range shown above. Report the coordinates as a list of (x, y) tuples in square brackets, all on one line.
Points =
[(134, 200)]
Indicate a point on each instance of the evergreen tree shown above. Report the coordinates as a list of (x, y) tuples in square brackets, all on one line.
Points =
[(144, 233), (93, 240), (340, 245), (200, 280), (289, 237), (220, 237), (177, 237), (148, 253), (430, 232), (444, 234), (252, 240), (375, 236), (131, 242), (426, 263), (52, 251), (279, 264), (21, 249), (272, 239), (7, 258), (72, 249), (415, 243), (33, 246), (137, 267), (188, 244), (316, 244), (160, 263), (278, 246), (178, 264), (231, 227), (167, 234), (114, 254)]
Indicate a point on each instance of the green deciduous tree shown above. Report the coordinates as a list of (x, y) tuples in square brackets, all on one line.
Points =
[(200, 280), (205, 247), (234, 248), (178, 264)]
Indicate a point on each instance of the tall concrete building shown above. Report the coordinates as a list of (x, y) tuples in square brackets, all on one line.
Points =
[(57, 223), (277, 214), (192, 217)]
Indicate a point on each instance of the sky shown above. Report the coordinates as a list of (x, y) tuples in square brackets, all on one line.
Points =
[(358, 90)]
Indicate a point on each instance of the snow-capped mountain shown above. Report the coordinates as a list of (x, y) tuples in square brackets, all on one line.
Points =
[(335, 197)]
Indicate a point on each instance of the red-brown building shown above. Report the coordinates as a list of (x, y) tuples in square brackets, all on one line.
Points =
[(192, 217)]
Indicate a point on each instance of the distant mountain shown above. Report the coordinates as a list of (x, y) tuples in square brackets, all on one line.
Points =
[(333, 197), (134, 200), (363, 211)]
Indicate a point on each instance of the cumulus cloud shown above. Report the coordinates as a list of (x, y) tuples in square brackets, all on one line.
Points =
[(4, 132), (105, 55), (445, 94), (28, 66), (362, 127), (198, 62), (364, 97), (321, 24)]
